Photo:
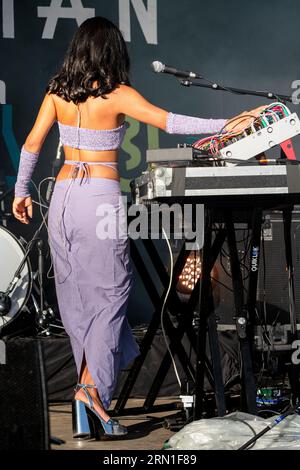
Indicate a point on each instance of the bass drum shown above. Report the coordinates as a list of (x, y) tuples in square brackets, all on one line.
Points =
[(11, 254)]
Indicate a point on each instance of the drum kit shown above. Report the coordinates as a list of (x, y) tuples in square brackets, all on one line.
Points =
[(23, 304)]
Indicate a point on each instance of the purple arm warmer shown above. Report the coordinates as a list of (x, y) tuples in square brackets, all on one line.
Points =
[(181, 124), (27, 164)]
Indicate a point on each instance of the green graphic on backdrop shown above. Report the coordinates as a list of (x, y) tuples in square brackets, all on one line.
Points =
[(133, 150), (153, 137)]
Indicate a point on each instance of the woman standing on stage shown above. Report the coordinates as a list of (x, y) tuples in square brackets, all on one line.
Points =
[(89, 98)]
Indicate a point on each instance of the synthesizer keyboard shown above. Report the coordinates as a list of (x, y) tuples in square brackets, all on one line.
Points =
[(273, 125), (251, 145)]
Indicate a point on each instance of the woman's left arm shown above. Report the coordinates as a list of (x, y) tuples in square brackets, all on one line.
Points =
[(22, 204), (43, 123)]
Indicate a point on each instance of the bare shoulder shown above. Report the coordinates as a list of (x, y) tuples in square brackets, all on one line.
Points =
[(126, 92), (48, 97)]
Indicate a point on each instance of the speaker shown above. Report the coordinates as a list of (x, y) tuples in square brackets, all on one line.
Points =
[(272, 286), (24, 421)]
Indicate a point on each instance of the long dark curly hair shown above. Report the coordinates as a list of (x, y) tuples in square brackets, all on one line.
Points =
[(97, 53)]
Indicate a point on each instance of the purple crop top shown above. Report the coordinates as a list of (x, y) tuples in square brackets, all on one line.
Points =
[(91, 139)]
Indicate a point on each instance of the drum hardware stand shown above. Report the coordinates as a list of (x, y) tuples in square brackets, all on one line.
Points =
[(45, 314)]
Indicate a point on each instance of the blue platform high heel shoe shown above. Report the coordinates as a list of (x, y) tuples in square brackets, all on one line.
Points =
[(86, 419)]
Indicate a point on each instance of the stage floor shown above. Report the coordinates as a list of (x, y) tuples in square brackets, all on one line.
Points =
[(146, 431)]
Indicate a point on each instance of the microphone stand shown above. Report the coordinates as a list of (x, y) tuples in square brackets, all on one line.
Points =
[(45, 313), (239, 91), (187, 82)]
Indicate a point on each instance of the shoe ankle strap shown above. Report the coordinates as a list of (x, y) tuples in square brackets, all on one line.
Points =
[(85, 387)]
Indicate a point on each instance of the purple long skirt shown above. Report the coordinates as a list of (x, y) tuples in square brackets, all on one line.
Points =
[(93, 276)]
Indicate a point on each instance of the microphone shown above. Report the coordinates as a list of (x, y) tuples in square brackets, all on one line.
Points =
[(159, 67)]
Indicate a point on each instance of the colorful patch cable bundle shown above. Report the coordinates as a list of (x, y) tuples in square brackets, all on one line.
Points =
[(213, 144)]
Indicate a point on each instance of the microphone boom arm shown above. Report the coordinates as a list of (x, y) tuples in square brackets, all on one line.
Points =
[(239, 91)]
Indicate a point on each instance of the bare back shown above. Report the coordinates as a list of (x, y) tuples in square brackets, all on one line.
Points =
[(95, 113)]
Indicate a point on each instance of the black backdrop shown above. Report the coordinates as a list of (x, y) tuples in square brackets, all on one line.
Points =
[(240, 43)]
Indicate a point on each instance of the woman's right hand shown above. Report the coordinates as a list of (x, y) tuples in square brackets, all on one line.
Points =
[(22, 209)]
